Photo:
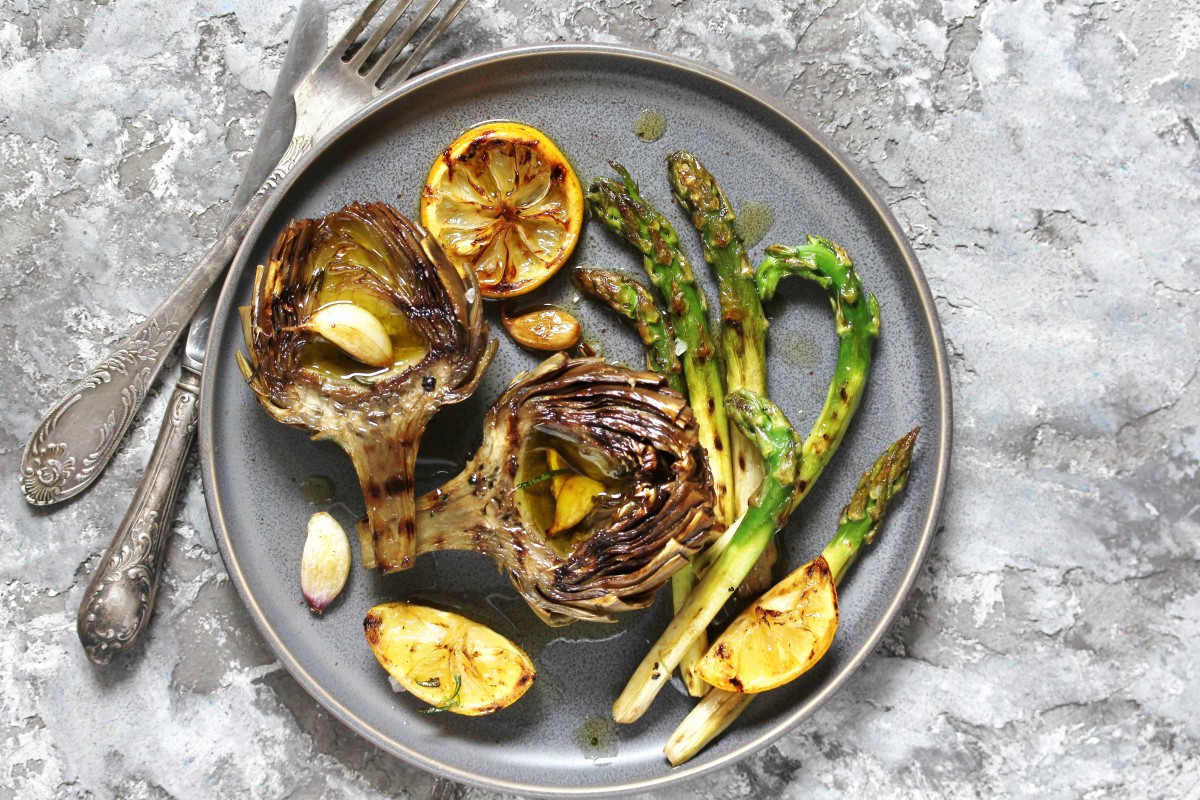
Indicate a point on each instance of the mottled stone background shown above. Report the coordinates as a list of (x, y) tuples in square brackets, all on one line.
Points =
[(1043, 158)]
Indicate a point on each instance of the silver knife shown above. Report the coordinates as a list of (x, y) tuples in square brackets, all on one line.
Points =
[(78, 436), (120, 598)]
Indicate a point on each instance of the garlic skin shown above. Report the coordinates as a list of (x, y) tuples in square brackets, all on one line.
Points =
[(325, 563)]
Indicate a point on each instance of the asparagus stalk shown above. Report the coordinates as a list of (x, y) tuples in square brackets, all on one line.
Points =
[(683, 583), (860, 521), (633, 301), (619, 205), (744, 326), (623, 210), (856, 316), (779, 444)]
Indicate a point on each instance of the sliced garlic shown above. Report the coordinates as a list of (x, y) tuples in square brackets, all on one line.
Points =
[(355, 331), (325, 563), (544, 328)]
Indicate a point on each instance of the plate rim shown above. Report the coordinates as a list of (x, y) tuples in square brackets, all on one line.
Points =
[(941, 463)]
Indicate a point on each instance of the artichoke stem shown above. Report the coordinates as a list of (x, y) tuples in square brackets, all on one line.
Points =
[(452, 517), (391, 508)]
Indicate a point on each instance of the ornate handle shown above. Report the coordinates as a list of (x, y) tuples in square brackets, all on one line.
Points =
[(75, 441), (120, 597)]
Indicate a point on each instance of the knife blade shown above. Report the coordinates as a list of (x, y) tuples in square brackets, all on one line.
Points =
[(120, 597)]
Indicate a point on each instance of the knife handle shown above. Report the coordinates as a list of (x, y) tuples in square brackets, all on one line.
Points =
[(76, 439), (118, 601)]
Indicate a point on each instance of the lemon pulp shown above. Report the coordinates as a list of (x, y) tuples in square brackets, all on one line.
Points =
[(450, 662), (503, 202), (779, 636)]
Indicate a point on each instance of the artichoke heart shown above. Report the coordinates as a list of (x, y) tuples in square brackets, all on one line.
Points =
[(358, 331), (638, 497)]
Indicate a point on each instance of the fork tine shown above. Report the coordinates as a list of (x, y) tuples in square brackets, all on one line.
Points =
[(414, 60), (357, 27), (402, 40), (378, 35)]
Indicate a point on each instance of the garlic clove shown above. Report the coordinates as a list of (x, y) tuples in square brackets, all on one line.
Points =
[(543, 328), (355, 331), (325, 562), (575, 500)]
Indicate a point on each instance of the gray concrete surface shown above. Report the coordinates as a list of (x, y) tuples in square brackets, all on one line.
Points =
[(1045, 162)]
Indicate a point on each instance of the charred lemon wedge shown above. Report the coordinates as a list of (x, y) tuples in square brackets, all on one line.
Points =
[(447, 660), (503, 202), (779, 637)]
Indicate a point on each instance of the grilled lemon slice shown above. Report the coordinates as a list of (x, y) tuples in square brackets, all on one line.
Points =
[(779, 637), (502, 201), (447, 660)]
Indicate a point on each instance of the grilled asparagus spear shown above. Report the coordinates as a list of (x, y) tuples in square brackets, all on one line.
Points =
[(633, 301), (856, 317), (620, 206), (744, 326), (860, 521)]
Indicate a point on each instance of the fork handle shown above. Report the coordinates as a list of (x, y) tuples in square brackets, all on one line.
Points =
[(76, 439), (120, 597)]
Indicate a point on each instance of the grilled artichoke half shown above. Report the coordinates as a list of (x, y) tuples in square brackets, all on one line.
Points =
[(337, 293), (616, 428)]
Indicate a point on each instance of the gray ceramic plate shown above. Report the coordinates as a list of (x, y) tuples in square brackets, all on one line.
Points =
[(261, 479)]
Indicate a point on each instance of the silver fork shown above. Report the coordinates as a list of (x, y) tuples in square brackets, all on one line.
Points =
[(348, 78), (76, 439)]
